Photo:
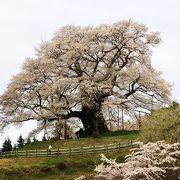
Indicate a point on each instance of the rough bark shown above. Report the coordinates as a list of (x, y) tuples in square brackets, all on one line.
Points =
[(92, 116), (93, 121)]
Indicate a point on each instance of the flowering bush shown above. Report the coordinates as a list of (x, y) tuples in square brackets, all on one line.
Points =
[(152, 161)]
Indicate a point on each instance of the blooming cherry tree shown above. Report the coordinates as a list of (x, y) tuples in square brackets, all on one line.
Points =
[(81, 70), (148, 162)]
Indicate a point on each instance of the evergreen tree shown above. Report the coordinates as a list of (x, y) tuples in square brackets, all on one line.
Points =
[(14, 147), (20, 142), (44, 138), (174, 105), (28, 141), (7, 146), (34, 139)]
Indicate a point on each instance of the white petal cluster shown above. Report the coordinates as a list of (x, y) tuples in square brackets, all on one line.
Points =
[(86, 66), (149, 162)]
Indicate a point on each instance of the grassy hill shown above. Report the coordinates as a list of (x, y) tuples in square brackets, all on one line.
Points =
[(107, 138), (162, 124), (65, 168)]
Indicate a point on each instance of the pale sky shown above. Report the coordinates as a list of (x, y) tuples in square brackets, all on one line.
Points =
[(25, 23)]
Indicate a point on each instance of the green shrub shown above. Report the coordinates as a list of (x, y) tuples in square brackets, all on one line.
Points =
[(61, 166), (162, 124)]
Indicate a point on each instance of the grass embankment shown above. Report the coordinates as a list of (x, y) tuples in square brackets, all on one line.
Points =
[(108, 138), (162, 124), (63, 168)]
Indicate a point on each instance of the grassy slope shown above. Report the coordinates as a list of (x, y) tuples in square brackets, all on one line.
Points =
[(108, 138), (65, 168), (162, 124)]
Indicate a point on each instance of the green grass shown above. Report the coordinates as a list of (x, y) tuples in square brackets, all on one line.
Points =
[(63, 168), (44, 168), (162, 124), (110, 137)]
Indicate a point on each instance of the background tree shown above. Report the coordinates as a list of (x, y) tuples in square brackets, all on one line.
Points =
[(62, 130), (7, 146), (14, 147), (44, 138), (34, 139), (20, 142), (28, 141), (81, 70)]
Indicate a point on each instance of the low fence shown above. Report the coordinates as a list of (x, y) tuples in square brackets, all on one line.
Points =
[(71, 151)]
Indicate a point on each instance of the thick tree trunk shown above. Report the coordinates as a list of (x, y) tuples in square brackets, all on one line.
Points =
[(93, 119), (94, 123), (91, 114)]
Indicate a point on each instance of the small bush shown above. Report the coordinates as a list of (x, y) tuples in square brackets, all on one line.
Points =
[(162, 124), (61, 166)]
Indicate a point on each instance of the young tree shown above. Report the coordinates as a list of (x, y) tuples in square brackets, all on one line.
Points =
[(34, 139), (14, 147), (44, 138), (7, 146), (81, 70), (62, 129), (28, 141), (20, 142)]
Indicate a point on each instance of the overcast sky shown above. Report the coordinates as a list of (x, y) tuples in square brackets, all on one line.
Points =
[(25, 23)]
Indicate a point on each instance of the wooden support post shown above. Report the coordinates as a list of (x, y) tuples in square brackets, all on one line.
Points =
[(65, 129), (122, 119), (131, 143), (119, 146), (118, 119), (94, 148), (106, 148), (152, 102), (110, 126), (139, 120), (82, 151)]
